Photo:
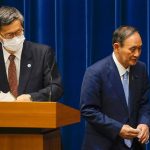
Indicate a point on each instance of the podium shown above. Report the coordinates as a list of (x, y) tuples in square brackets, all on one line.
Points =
[(34, 125)]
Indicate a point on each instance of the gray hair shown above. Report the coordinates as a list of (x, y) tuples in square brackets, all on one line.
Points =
[(8, 15), (122, 33)]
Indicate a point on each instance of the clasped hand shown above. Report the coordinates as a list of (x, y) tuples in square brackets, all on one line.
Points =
[(141, 132)]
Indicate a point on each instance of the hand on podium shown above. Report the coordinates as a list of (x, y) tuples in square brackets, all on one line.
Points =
[(8, 97), (24, 98)]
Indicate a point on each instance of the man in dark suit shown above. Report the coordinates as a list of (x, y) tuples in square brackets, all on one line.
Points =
[(117, 116), (32, 75)]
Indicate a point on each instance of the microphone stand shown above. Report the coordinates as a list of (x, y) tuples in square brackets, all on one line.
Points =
[(51, 79)]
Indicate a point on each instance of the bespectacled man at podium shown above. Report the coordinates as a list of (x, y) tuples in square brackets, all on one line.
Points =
[(28, 70)]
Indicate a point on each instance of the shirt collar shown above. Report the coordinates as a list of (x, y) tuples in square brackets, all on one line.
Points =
[(121, 69)]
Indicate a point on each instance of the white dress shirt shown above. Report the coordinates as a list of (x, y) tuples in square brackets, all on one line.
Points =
[(121, 69), (17, 61)]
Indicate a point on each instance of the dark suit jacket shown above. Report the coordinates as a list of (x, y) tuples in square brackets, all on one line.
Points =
[(104, 107), (39, 75)]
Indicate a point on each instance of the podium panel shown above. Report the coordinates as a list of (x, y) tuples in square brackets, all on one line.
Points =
[(21, 142), (48, 141), (34, 125)]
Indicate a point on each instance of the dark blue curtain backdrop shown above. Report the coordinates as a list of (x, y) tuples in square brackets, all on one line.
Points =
[(80, 32)]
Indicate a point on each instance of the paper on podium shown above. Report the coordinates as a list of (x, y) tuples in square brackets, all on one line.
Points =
[(6, 97)]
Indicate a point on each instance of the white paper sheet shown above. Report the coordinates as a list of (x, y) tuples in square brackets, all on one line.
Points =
[(6, 97)]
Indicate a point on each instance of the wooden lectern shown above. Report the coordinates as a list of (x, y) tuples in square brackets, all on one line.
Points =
[(34, 125)]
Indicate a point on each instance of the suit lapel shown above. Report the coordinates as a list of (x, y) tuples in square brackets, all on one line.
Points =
[(132, 87), (4, 85), (115, 81), (25, 68)]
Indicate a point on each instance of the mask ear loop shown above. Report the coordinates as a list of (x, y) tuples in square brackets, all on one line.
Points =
[(1, 38)]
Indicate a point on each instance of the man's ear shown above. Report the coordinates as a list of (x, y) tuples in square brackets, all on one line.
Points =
[(116, 46)]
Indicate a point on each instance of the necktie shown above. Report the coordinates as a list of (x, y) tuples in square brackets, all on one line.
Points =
[(12, 76), (125, 83)]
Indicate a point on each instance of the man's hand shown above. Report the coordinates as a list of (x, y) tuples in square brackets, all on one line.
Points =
[(144, 133), (127, 132), (24, 98)]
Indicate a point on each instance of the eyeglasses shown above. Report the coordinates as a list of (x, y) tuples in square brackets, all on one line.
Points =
[(13, 34)]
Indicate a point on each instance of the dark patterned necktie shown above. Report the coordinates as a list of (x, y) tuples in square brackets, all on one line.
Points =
[(12, 76)]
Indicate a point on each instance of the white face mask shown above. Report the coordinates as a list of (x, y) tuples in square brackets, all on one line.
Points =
[(14, 44)]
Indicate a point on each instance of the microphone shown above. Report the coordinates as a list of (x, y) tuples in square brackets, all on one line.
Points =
[(50, 80), (132, 77)]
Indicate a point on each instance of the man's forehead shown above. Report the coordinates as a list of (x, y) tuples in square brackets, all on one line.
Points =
[(14, 26), (134, 39)]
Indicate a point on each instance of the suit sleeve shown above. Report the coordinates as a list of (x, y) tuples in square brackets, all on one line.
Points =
[(91, 106), (52, 86)]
